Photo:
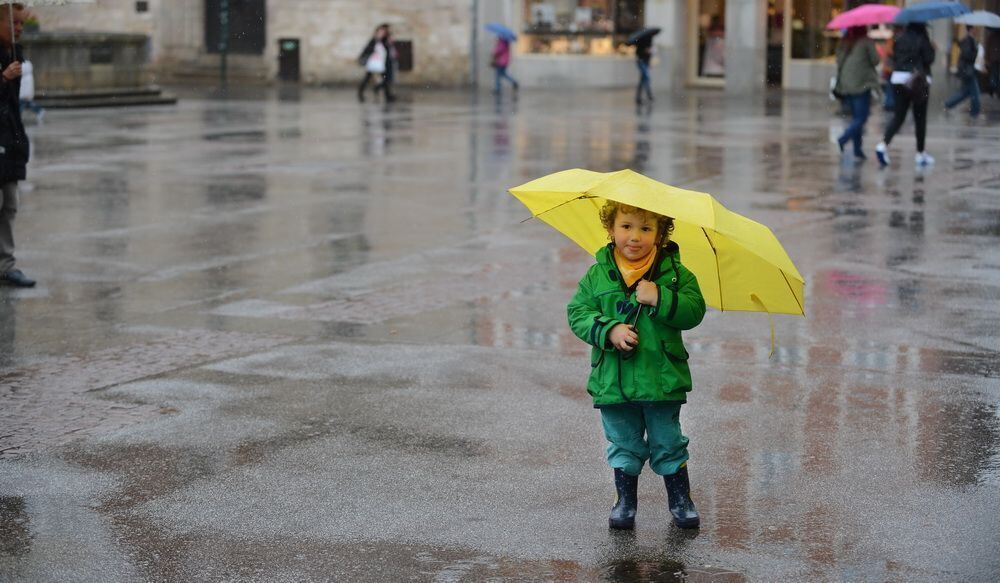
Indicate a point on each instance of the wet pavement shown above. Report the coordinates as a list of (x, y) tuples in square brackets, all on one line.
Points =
[(286, 337)]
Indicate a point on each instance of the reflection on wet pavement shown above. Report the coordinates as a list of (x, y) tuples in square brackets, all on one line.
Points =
[(287, 337)]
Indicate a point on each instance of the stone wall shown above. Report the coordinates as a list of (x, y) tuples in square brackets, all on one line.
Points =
[(332, 34)]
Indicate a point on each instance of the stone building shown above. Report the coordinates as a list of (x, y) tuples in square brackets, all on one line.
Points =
[(739, 45)]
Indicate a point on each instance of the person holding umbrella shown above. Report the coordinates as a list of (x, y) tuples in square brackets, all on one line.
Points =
[(632, 306), (913, 55), (643, 41), (14, 147), (500, 59), (857, 60)]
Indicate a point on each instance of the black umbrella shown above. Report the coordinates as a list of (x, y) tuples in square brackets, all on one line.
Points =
[(642, 34)]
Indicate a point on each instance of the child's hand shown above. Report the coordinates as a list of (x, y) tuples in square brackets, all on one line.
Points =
[(623, 337), (647, 292)]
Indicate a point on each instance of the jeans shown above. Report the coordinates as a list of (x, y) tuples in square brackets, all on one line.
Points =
[(644, 82), (889, 96), (645, 432), (969, 89), (860, 105), (501, 73)]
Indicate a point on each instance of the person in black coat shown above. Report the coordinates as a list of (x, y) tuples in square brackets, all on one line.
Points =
[(379, 58), (643, 54), (14, 148), (913, 55), (967, 50)]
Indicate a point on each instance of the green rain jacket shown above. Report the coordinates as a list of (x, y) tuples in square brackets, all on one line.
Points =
[(657, 369)]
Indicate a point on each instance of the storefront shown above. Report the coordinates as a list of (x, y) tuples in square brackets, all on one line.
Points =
[(569, 42)]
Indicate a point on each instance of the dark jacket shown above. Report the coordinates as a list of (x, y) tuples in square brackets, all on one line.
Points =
[(13, 138), (913, 51), (967, 50), (644, 49), (657, 371)]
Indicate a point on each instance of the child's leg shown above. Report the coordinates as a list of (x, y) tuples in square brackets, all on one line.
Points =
[(668, 448), (667, 445), (625, 429)]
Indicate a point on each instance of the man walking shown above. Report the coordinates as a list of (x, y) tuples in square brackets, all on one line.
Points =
[(14, 148)]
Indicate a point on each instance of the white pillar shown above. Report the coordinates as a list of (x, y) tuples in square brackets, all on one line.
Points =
[(746, 46)]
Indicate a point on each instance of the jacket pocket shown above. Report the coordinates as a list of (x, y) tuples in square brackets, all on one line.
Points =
[(675, 350), (675, 374), (596, 357)]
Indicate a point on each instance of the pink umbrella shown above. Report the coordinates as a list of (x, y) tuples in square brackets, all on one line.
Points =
[(864, 15)]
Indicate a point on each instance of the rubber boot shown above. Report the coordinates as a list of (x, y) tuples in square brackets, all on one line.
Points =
[(623, 512), (679, 499)]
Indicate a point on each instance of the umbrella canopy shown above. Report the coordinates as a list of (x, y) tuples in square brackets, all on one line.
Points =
[(864, 15), (641, 34), (501, 31), (980, 18), (927, 11), (739, 263)]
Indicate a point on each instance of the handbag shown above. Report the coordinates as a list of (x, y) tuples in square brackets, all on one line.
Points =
[(917, 83), (834, 94)]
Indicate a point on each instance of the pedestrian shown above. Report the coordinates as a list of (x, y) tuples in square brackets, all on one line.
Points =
[(14, 147), (857, 62), (643, 55), (992, 57), (375, 58), (968, 48), (913, 55), (27, 95), (500, 60), (631, 307)]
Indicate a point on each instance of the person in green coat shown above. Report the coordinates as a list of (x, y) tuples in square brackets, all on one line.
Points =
[(631, 307), (857, 77)]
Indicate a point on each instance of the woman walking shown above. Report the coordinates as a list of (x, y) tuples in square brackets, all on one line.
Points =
[(857, 62), (500, 61), (913, 55), (377, 60)]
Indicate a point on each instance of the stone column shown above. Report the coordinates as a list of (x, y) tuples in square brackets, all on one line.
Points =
[(746, 46), (502, 11), (670, 46)]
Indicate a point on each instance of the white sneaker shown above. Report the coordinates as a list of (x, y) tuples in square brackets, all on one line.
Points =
[(881, 154), (923, 159)]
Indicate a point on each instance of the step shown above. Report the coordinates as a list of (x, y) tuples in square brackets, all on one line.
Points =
[(111, 91), (109, 101)]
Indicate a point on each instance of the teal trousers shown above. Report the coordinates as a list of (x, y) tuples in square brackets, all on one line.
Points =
[(645, 432)]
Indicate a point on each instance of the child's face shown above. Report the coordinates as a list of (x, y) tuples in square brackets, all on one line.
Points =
[(634, 234)]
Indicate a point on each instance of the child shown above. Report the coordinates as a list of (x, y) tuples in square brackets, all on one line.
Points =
[(631, 307)]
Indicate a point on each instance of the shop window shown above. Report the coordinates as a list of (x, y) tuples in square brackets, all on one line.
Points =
[(584, 27), (810, 38)]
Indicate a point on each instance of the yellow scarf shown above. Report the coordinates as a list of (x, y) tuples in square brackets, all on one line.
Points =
[(632, 271)]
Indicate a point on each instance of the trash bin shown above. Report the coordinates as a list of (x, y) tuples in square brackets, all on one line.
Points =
[(288, 59)]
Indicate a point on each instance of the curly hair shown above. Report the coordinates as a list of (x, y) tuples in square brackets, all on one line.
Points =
[(664, 224)]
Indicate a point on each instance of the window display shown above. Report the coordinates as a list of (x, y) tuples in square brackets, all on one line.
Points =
[(587, 27)]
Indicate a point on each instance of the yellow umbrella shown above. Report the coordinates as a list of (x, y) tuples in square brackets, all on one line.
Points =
[(739, 263)]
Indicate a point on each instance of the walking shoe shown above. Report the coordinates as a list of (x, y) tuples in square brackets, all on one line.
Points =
[(679, 499), (881, 154), (923, 159), (623, 513), (16, 278)]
